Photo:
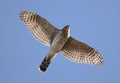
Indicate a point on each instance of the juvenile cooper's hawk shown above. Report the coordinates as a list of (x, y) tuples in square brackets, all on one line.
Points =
[(59, 41)]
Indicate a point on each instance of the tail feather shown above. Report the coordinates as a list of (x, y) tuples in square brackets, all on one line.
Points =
[(44, 65)]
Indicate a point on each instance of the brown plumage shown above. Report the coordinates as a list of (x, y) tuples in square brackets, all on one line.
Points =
[(59, 41)]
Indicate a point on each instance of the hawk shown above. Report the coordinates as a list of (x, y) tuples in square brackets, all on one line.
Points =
[(59, 41)]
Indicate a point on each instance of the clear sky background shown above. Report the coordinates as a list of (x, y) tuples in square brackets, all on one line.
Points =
[(95, 22)]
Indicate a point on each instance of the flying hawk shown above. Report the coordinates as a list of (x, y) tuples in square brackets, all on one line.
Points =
[(59, 40)]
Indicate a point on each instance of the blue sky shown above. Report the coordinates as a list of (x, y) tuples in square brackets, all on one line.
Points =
[(95, 22)]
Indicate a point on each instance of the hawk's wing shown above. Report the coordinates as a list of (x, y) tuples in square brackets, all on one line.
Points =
[(41, 29), (80, 52)]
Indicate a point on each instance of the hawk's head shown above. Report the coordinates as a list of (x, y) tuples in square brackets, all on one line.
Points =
[(66, 30)]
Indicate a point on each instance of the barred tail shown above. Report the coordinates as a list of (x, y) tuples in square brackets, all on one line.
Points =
[(44, 65)]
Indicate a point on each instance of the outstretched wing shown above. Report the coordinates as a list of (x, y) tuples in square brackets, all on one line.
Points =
[(41, 29), (80, 52)]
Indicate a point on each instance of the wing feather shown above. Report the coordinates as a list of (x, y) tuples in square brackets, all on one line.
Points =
[(78, 51), (40, 28)]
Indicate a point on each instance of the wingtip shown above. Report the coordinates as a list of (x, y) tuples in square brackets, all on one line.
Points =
[(21, 14), (25, 14), (100, 62)]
